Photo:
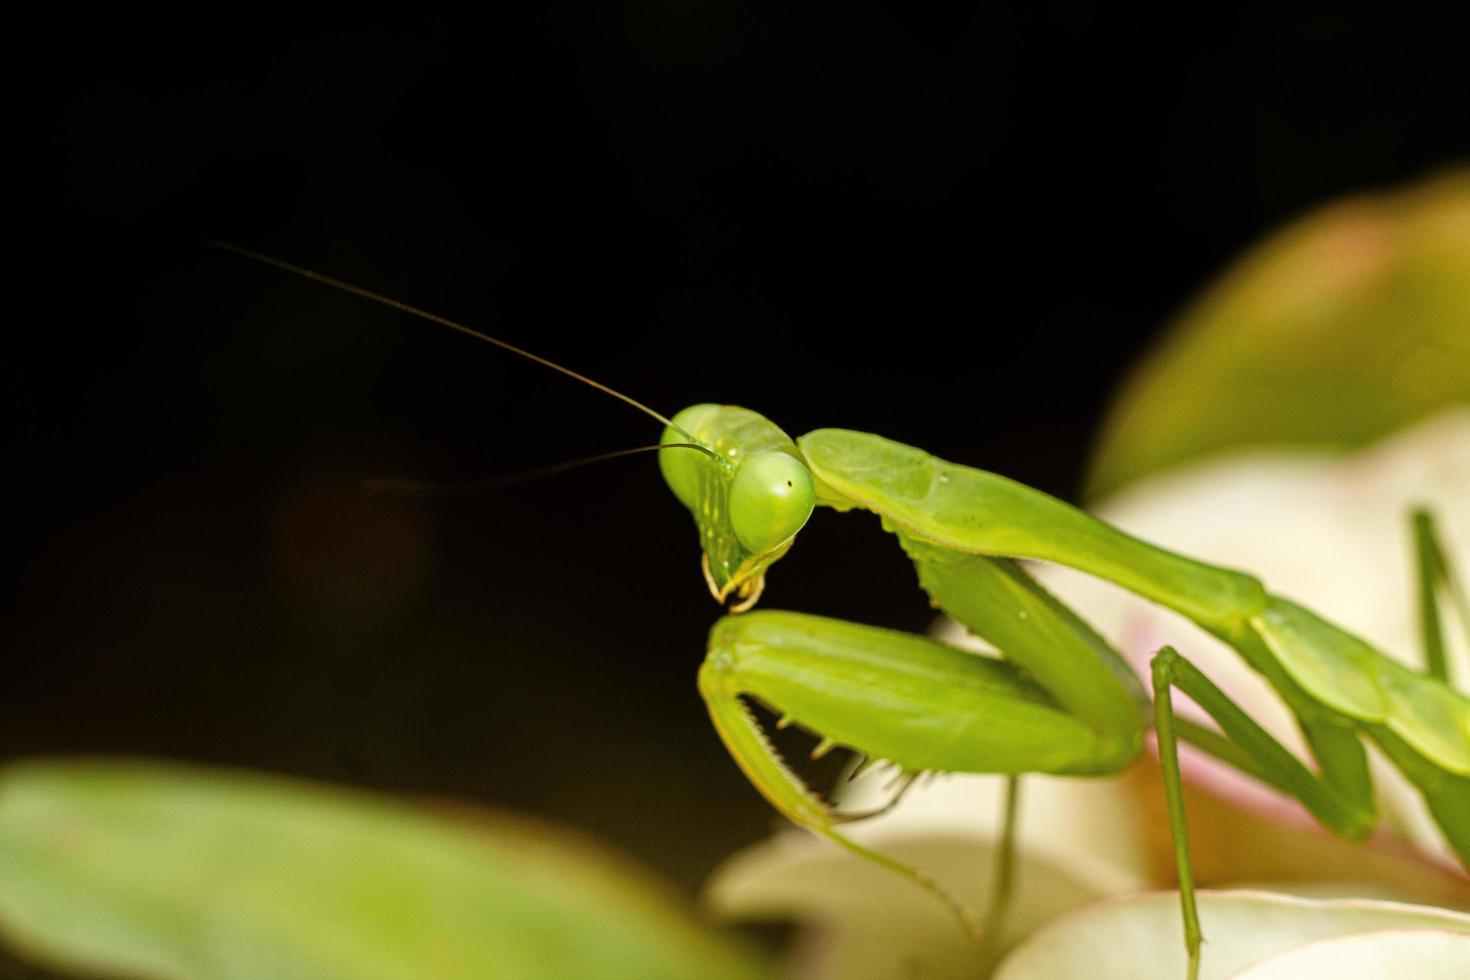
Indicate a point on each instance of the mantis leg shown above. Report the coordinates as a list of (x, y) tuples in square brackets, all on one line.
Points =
[(921, 705), (1268, 760), (1435, 574), (1446, 793), (1003, 886), (1174, 797), (996, 599)]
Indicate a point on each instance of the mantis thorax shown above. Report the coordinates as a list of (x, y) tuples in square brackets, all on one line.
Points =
[(748, 500)]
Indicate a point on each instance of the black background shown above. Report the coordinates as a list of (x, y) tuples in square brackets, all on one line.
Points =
[(956, 227)]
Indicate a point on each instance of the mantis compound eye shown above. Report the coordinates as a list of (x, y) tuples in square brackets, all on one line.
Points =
[(771, 498), (681, 467)]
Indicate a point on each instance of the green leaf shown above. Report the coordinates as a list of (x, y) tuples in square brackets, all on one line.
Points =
[(1340, 328), (143, 869)]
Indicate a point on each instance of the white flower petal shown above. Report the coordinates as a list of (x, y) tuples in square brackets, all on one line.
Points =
[(1424, 954), (1140, 937)]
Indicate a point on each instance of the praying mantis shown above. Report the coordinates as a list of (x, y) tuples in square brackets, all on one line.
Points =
[(1059, 699)]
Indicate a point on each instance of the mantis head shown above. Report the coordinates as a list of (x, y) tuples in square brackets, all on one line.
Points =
[(749, 495)]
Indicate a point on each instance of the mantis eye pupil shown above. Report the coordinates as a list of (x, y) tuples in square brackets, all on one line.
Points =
[(771, 498)]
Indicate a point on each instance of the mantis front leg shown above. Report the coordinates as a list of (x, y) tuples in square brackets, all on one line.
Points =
[(921, 705), (1062, 703)]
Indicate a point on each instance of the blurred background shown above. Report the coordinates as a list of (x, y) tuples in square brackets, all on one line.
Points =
[(955, 227)]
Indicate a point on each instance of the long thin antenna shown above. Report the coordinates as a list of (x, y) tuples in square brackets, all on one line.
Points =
[(464, 488), (388, 301)]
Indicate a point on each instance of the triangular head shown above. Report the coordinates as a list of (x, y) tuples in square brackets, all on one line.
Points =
[(748, 499)]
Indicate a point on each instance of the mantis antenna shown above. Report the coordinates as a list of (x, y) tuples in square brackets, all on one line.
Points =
[(394, 304), (464, 488)]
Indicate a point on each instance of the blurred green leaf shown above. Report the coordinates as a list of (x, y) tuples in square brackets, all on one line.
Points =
[(142, 869), (1336, 330)]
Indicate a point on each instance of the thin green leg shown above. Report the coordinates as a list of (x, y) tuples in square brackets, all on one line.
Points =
[(1435, 573), (1174, 797), (1003, 883), (1334, 741), (1343, 812), (1459, 598), (1446, 793), (1265, 757), (1431, 634), (1217, 745)]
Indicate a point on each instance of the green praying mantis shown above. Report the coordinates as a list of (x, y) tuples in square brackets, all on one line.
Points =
[(1059, 699)]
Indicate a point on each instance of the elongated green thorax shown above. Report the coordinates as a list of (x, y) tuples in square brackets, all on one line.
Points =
[(980, 513), (749, 498)]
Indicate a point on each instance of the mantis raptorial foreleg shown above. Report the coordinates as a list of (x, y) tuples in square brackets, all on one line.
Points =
[(926, 707)]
